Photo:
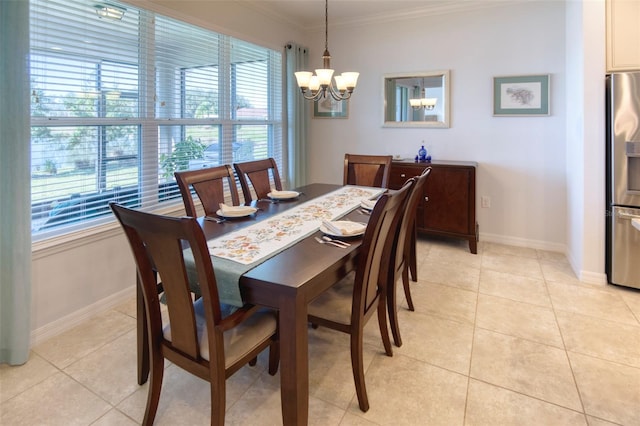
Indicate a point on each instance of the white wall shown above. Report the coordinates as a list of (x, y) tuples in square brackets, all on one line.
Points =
[(74, 280), (521, 160), (593, 144), (585, 136), (524, 163)]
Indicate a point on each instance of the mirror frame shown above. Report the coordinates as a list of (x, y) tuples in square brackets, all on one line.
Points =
[(446, 79)]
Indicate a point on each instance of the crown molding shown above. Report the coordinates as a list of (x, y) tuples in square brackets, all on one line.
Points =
[(432, 9), (425, 9)]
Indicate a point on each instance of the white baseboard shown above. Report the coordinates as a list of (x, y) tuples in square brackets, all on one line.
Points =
[(523, 242), (67, 322), (588, 277)]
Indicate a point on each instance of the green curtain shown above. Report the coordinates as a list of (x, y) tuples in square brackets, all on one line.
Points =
[(296, 58), (15, 183)]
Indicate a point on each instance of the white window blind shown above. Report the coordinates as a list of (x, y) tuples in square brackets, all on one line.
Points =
[(119, 105)]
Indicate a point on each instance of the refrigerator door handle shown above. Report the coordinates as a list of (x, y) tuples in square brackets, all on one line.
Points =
[(625, 215)]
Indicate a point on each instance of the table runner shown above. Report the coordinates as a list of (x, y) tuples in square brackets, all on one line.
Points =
[(237, 252)]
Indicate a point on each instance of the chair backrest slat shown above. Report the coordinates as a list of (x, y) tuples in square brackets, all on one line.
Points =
[(367, 170), (158, 244), (401, 246), (209, 185), (259, 175), (374, 261)]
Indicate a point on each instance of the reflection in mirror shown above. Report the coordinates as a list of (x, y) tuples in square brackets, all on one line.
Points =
[(418, 99)]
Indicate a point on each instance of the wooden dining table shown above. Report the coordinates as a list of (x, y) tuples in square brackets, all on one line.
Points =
[(288, 281)]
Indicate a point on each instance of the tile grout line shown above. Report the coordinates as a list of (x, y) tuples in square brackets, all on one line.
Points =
[(566, 352), (473, 338)]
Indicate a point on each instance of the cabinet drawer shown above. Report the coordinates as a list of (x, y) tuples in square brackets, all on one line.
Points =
[(400, 173)]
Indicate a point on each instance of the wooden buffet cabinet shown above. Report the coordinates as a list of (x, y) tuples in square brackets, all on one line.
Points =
[(449, 204)]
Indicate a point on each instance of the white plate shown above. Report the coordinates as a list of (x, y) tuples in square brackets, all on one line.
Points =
[(283, 195), (240, 213), (346, 224), (368, 204)]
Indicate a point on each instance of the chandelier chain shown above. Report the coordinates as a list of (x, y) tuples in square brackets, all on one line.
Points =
[(315, 87), (326, 25)]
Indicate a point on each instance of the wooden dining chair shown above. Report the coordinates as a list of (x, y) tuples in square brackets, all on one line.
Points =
[(259, 175), (209, 184), (197, 337), (401, 249), (349, 304), (367, 170)]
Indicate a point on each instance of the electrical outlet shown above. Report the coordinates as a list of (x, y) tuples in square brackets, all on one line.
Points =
[(485, 201)]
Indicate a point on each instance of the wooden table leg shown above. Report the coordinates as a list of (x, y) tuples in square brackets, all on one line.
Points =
[(143, 347), (294, 361)]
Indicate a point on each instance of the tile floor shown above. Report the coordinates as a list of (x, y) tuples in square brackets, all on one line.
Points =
[(505, 337)]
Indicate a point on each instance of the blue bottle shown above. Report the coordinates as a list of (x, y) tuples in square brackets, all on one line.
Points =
[(422, 154)]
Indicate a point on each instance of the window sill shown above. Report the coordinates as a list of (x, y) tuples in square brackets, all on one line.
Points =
[(72, 240)]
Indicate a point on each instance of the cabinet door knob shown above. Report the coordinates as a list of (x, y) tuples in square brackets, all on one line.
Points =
[(402, 175), (426, 198)]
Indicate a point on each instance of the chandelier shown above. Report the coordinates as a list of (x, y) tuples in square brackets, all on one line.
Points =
[(315, 87), (426, 103), (423, 101), (110, 11)]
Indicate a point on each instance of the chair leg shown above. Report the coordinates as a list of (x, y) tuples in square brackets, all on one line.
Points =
[(382, 324), (142, 338), (357, 366), (274, 357), (156, 374), (413, 257), (407, 289), (218, 400), (392, 308)]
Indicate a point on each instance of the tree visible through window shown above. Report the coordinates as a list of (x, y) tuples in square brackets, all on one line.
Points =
[(119, 106)]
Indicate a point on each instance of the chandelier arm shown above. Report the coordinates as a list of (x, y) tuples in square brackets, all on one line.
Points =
[(338, 96), (304, 78), (313, 97)]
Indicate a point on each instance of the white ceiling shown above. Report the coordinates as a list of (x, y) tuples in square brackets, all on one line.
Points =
[(309, 14)]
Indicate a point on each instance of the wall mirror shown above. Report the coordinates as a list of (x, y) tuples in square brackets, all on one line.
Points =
[(418, 99)]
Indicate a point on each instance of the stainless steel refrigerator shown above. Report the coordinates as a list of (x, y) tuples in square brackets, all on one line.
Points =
[(623, 178)]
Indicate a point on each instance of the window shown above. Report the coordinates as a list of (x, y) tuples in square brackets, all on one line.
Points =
[(119, 105), (402, 103)]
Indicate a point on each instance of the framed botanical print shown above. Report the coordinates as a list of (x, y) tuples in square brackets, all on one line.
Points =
[(330, 108), (521, 95)]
